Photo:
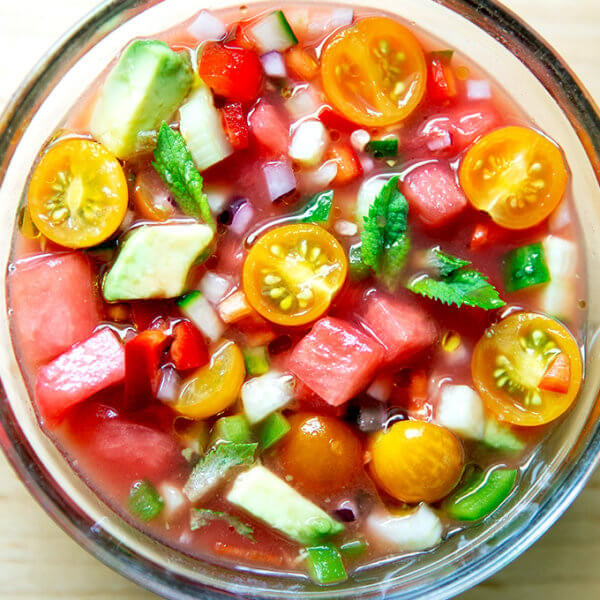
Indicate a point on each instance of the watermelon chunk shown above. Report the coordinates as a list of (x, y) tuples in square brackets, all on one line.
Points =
[(79, 373), (336, 360), (404, 328), (432, 191), (269, 129), (54, 304)]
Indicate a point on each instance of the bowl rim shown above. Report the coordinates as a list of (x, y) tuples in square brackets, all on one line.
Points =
[(584, 116)]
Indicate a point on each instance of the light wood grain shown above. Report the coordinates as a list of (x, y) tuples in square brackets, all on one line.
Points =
[(37, 560)]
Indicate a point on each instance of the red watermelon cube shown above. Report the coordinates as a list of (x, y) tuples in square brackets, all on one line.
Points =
[(79, 373), (336, 360), (54, 304), (432, 192), (404, 328)]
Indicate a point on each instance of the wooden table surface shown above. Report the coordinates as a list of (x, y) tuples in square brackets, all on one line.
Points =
[(38, 560)]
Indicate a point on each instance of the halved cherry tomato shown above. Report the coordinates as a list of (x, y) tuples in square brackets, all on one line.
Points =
[(78, 193), (416, 461), (321, 453), (516, 175), (292, 273), (151, 196), (509, 363), (215, 386), (375, 72)]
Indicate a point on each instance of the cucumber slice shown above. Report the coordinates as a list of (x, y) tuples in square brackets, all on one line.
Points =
[(387, 148), (501, 437), (270, 499), (273, 32), (256, 360), (525, 267), (231, 429), (202, 129), (325, 565), (199, 311), (274, 427), (558, 298)]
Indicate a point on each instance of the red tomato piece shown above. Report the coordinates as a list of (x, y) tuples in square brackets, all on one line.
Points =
[(234, 73), (432, 191), (79, 373), (235, 125), (188, 350), (487, 233), (441, 84), (419, 406), (348, 164), (142, 361), (269, 128), (242, 37), (333, 120), (336, 360), (404, 328), (54, 304), (557, 377)]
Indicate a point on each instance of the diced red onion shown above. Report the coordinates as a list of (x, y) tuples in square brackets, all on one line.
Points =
[(170, 384), (242, 219), (214, 287), (317, 179), (367, 163), (280, 179), (372, 417), (345, 228), (218, 199), (207, 27), (347, 511), (440, 142), (273, 64), (478, 89)]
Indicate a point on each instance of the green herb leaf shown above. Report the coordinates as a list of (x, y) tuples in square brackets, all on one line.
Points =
[(173, 162), (201, 517), (212, 468), (456, 284), (317, 208), (384, 240)]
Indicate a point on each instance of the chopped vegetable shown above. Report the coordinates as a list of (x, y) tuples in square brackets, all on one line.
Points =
[(273, 65), (482, 495), (253, 555), (460, 409), (215, 466), (301, 64), (348, 164), (501, 437), (265, 394), (386, 148), (235, 125), (201, 517), (273, 428), (198, 310), (559, 296), (325, 564), (525, 267), (234, 429), (144, 501), (279, 178), (318, 208), (256, 360), (358, 269), (354, 548), (234, 307), (309, 142), (557, 377), (188, 350), (272, 32), (441, 83)]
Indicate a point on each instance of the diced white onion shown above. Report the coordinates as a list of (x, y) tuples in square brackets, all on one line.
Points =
[(242, 219), (280, 179), (440, 142), (170, 384), (309, 142), (204, 317), (301, 104), (359, 138), (263, 395), (561, 256), (460, 409), (346, 228), (478, 89), (273, 64), (381, 387), (214, 287), (338, 17), (175, 501), (206, 27), (367, 163), (218, 199), (558, 298), (316, 179), (419, 530)]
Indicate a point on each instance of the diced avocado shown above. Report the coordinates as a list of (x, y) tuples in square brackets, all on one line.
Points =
[(143, 89), (270, 499), (154, 261), (501, 437)]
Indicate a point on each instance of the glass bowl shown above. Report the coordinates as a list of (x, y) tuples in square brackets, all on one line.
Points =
[(547, 92)]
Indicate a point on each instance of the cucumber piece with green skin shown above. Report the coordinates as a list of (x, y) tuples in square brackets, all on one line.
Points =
[(144, 501), (256, 360), (273, 32), (387, 148), (525, 267), (501, 437), (271, 500), (273, 428), (325, 565), (199, 311), (154, 261), (354, 548), (143, 89), (482, 495), (231, 429)]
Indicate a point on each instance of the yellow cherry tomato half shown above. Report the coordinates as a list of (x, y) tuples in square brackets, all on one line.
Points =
[(214, 387), (512, 361), (78, 193), (292, 273), (516, 175), (416, 461), (375, 72)]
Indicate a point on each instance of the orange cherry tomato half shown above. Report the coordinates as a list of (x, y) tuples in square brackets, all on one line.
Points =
[(416, 461), (321, 453), (510, 361), (78, 193), (516, 175), (375, 72), (292, 273), (151, 196)]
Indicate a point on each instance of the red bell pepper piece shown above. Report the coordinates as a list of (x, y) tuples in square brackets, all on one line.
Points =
[(441, 83), (235, 125), (188, 350), (333, 120), (348, 165), (557, 377), (143, 355), (234, 73)]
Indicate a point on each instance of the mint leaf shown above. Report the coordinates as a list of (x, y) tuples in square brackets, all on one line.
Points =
[(317, 208), (445, 263), (213, 467), (173, 162), (201, 517), (384, 240)]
